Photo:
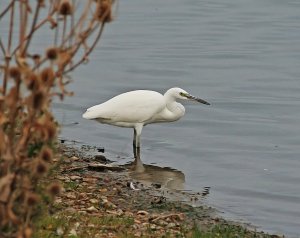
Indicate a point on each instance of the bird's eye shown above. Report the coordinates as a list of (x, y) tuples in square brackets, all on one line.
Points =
[(182, 94)]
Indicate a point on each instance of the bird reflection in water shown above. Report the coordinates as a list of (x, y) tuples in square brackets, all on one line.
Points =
[(151, 174), (165, 178)]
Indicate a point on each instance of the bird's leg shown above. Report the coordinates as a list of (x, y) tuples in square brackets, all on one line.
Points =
[(134, 143), (137, 164), (136, 140)]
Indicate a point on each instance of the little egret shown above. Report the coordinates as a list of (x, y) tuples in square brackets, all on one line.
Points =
[(136, 109)]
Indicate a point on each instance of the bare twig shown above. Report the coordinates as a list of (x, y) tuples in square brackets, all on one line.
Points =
[(7, 52), (84, 58), (6, 9), (38, 25), (32, 30), (27, 126), (2, 47), (11, 26)]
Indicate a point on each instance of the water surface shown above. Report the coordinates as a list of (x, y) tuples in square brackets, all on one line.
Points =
[(241, 56)]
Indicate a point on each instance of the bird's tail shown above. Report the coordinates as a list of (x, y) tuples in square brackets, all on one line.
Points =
[(86, 115), (89, 114), (93, 112)]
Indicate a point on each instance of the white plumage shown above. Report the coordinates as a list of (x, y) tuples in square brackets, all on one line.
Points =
[(138, 108)]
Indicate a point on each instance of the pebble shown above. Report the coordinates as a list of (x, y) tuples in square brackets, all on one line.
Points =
[(82, 196), (153, 227), (92, 209), (103, 190), (108, 204), (77, 224), (70, 209), (90, 180), (75, 177), (58, 201), (67, 161), (93, 200), (80, 202), (61, 177), (171, 225), (120, 212), (142, 213), (135, 226), (70, 196), (74, 158), (59, 231), (73, 232)]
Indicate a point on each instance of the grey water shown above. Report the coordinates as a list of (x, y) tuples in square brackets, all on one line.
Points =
[(243, 57)]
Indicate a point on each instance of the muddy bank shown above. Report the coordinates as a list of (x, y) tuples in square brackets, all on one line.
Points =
[(101, 199)]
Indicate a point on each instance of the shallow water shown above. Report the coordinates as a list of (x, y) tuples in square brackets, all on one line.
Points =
[(241, 56)]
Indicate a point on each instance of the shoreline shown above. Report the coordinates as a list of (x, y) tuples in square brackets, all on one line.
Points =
[(104, 200)]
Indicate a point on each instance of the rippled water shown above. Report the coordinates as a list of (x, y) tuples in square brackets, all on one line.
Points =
[(241, 56)]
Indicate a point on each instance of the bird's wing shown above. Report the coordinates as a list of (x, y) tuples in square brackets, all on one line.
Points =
[(135, 106)]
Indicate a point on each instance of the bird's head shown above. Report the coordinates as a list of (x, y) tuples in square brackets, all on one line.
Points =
[(184, 95)]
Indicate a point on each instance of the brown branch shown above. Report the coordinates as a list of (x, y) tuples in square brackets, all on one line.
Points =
[(2, 47), (7, 53), (21, 25), (79, 23), (64, 31), (34, 22), (39, 25), (11, 26), (76, 47), (89, 51), (56, 31), (6, 9)]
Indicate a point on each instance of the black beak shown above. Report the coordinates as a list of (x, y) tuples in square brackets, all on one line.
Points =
[(198, 99)]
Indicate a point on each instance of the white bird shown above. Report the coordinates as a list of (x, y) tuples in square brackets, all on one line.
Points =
[(138, 108)]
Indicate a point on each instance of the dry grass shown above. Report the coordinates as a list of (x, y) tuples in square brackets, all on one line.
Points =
[(31, 77)]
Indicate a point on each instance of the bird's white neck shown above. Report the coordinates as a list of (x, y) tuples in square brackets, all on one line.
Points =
[(176, 109)]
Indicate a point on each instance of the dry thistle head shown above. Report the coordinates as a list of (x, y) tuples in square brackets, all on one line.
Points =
[(46, 154), (38, 100), (64, 57), (47, 76), (32, 81), (65, 8), (31, 199), (36, 58), (51, 131), (52, 53), (104, 10), (52, 22), (54, 189), (15, 72), (40, 168), (11, 98), (28, 232), (46, 128), (41, 3)]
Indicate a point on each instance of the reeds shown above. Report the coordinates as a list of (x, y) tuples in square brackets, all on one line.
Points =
[(32, 74)]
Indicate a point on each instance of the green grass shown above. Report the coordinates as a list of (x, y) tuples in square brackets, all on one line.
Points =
[(112, 221), (47, 226), (71, 185), (226, 231)]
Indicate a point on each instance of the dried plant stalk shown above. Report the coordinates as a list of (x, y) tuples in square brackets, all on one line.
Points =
[(32, 73)]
